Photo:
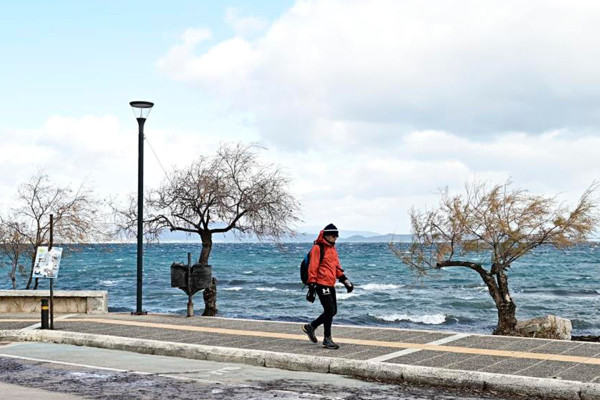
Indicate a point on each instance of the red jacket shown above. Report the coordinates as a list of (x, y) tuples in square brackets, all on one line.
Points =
[(330, 269)]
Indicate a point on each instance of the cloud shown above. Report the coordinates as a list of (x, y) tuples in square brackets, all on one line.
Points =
[(471, 67), (373, 106), (370, 107), (374, 190), (369, 190), (175, 63), (243, 26), (98, 150)]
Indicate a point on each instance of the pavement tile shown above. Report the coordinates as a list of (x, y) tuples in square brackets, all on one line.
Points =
[(444, 359), (290, 328), (546, 369), (369, 334), (183, 337), (415, 357), (351, 332), (416, 337), (581, 372), (522, 344), (18, 325), (365, 352), (585, 350), (96, 328), (510, 366), (273, 344), (388, 336), (229, 342), (429, 337), (557, 347), (476, 363), (484, 342)]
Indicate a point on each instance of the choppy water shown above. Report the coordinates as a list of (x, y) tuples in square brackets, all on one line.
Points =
[(262, 281)]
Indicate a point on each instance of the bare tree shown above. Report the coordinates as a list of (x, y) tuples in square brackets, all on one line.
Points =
[(231, 191), (75, 216), (13, 246), (488, 228)]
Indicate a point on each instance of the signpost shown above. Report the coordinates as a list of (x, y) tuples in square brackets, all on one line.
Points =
[(47, 263)]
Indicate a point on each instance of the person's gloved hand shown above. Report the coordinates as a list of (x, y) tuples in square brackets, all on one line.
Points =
[(346, 282), (312, 293)]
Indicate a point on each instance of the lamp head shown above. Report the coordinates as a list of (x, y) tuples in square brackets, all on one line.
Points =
[(141, 109)]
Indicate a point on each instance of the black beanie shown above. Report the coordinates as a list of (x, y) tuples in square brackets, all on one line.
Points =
[(331, 229)]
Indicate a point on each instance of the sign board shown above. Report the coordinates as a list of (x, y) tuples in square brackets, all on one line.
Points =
[(47, 262)]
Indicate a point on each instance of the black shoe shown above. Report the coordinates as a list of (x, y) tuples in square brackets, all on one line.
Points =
[(329, 344), (310, 331)]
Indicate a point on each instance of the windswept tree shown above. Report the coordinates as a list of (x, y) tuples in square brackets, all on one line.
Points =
[(13, 246), (488, 228), (230, 191), (75, 214)]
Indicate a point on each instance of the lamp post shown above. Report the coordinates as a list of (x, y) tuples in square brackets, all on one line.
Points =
[(141, 110)]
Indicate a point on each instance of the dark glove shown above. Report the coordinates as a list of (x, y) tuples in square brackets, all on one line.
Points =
[(312, 293), (346, 282)]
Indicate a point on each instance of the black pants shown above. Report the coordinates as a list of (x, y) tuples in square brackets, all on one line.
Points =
[(328, 301)]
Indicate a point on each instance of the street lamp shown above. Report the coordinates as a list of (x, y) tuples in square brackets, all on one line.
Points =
[(141, 110)]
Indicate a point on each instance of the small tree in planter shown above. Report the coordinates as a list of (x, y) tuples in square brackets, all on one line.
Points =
[(500, 223)]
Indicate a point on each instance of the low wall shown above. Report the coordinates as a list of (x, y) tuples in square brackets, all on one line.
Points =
[(65, 301)]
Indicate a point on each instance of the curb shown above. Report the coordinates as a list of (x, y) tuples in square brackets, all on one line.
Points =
[(398, 373)]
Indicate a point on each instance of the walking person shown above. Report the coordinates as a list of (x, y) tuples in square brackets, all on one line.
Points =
[(323, 270)]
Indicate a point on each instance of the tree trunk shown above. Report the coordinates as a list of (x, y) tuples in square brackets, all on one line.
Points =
[(497, 283), (206, 248), (13, 275), (30, 273), (507, 320), (210, 299), (210, 294)]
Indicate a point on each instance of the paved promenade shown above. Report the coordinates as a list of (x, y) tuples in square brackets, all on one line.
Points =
[(534, 367)]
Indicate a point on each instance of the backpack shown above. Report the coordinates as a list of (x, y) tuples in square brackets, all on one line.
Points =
[(306, 262)]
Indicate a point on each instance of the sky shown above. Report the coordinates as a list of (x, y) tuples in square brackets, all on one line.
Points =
[(370, 107)]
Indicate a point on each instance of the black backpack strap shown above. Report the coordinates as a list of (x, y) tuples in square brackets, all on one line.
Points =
[(321, 255), (321, 252)]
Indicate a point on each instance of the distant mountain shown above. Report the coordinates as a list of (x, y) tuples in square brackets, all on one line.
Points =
[(229, 237), (390, 237)]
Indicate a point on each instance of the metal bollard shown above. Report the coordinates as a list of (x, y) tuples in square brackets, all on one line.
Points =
[(45, 311)]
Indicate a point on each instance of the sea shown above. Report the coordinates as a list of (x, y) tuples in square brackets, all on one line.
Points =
[(262, 281)]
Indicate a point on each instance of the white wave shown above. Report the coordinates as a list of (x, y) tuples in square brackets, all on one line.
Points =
[(234, 288), (267, 289), (379, 287), (344, 296), (480, 288), (371, 265), (108, 282), (464, 297), (435, 319), (247, 272), (119, 259)]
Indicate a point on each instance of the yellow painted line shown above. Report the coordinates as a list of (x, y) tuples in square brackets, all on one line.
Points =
[(376, 343)]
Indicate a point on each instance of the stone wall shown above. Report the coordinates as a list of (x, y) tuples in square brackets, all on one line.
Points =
[(65, 301)]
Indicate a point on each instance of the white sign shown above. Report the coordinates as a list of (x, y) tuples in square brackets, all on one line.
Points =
[(47, 262)]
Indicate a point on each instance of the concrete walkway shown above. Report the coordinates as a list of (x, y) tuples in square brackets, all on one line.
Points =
[(535, 367)]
